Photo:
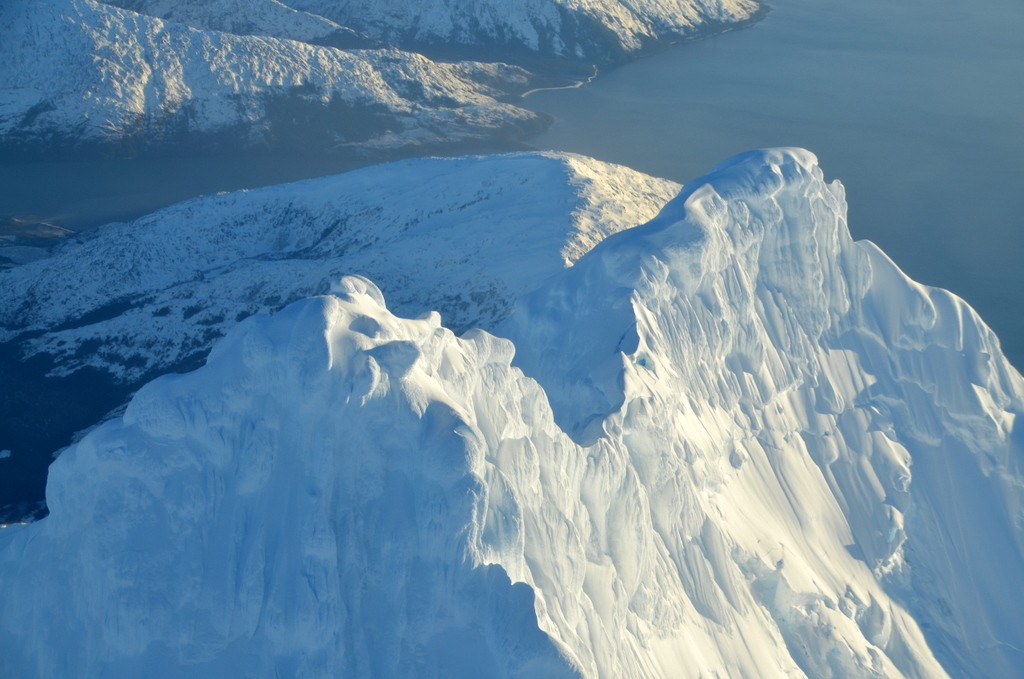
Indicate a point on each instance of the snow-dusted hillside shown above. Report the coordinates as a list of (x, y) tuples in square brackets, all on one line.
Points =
[(463, 236), (80, 73), (271, 18), (783, 458), (592, 29)]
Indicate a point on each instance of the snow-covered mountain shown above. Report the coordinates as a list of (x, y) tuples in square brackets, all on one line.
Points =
[(592, 29), (135, 300), (464, 236), (77, 73), (596, 30), (767, 453), (271, 18)]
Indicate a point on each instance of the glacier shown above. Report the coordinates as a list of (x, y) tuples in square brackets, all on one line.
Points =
[(729, 442), (81, 76)]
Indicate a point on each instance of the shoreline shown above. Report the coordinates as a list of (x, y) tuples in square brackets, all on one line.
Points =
[(572, 86), (703, 32), (125, 189)]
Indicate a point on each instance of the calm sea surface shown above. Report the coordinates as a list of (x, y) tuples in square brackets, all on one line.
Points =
[(917, 106)]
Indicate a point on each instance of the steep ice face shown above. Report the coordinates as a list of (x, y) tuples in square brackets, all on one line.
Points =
[(854, 425), (463, 236), (787, 459), (595, 29), (80, 73), (308, 504)]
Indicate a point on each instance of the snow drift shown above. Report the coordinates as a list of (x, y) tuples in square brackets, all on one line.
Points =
[(767, 453)]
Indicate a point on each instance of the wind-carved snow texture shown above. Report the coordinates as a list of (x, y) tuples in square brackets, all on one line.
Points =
[(595, 29), (785, 395), (311, 503), (464, 236), (78, 73), (789, 460)]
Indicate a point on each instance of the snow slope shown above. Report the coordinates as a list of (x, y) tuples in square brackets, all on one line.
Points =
[(464, 236), (586, 29), (80, 73), (786, 459)]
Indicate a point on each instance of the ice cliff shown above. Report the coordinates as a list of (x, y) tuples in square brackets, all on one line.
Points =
[(743, 445)]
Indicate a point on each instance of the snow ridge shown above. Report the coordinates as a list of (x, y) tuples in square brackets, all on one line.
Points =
[(787, 459), (596, 29)]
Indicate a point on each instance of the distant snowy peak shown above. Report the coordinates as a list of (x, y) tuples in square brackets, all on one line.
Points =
[(463, 236), (84, 74), (598, 30), (595, 29)]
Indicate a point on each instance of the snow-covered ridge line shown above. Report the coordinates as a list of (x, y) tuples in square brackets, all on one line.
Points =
[(789, 460), (85, 75), (269, 18), (464, 236), (597, 30)]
